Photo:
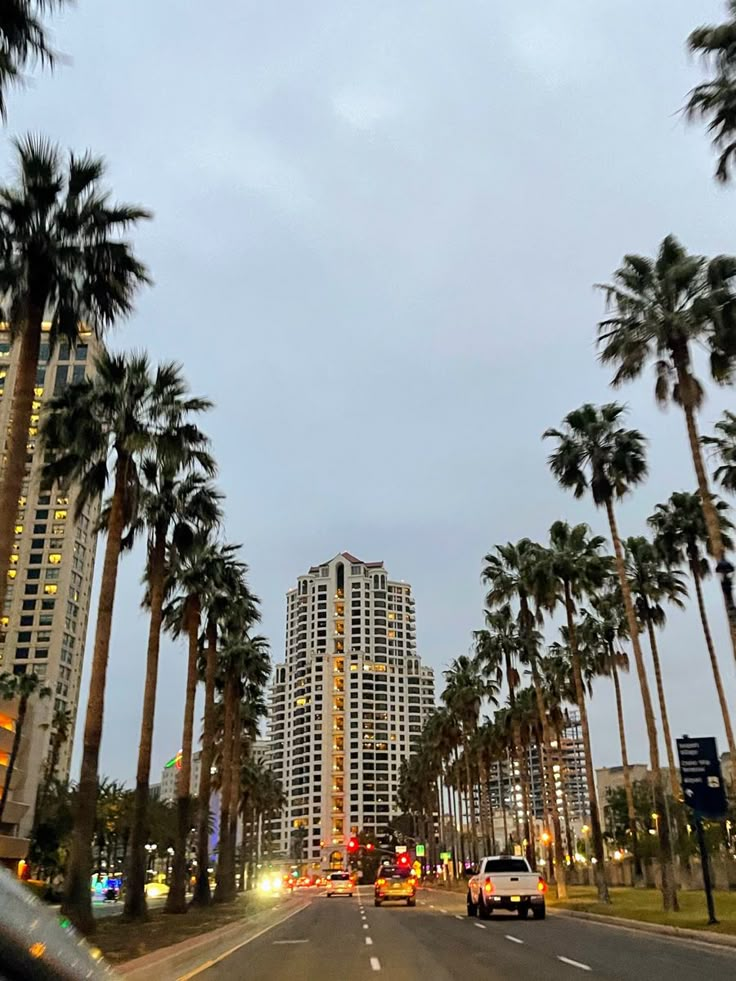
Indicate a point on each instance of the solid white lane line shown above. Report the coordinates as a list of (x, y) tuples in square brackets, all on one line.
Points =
[(481, 926), (368, 942), (514, 940), (290, 942), (566, 960), (375, 964)]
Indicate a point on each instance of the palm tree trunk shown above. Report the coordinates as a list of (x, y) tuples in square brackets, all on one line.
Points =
[(674, 782), (709, 511), (16, 454), (176, 901), (235, 783), (77, 903), (511, 762), (628, 788), (502, 801), (713, 661), (225, 784), (669, 884), (486, 808), (135, 893), (441, 814), (471, 802), (565, 804), (22, 709), (202, 894), (243, 846), (531, 851), (595, 817), (545, 753)]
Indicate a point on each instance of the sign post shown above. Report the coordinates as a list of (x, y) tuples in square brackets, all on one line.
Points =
[(702, 785)]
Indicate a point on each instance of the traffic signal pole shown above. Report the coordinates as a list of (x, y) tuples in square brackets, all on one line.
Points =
[(705, 862)]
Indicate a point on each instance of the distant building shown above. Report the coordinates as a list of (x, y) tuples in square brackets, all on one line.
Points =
[(612, 778), (347, 706), (170, 776)]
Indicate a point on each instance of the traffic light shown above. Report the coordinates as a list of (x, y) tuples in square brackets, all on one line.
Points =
[(353, 845), (370, 846), (403, 859)]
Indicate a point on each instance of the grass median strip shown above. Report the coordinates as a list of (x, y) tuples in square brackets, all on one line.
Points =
[(645, 906)]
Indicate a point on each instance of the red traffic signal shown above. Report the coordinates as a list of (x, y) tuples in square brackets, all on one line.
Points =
[(353, 845), (370, 846), (403, 859)]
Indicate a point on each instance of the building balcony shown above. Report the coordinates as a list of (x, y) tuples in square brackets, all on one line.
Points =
[(13, 849)]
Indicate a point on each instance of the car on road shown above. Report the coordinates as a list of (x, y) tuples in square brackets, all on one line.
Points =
[(395, 885), (506, 882), (339, 884)]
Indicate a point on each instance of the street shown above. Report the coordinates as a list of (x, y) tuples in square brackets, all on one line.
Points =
[(343, 939)]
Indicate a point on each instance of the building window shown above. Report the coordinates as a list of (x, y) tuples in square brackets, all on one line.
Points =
[(50, 589)]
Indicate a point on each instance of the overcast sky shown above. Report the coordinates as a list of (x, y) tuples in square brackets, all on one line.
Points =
[(377, 226)]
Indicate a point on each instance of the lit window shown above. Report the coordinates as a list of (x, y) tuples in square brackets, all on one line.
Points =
[(22, 502), (55, 558), (12, 573), (33, 431), (50, 588), (62, 500), (4, 621), (19, 529), (38, 392), (60, 515), (58, 529), (14, 559)]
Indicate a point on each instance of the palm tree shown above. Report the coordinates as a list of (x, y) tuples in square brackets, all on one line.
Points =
[(605, 629), (575, 563), (96, 431), (659, 309), (682, 538), (439, 737), (516, 571), (23, 687), (724, 450), (715, 100), (595, 453), (23, 40), (61, 260), (61, 724), (177, 502), (653, 583)]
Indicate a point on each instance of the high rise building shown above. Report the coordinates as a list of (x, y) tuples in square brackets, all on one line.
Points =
[(44, 623), (347, 705)]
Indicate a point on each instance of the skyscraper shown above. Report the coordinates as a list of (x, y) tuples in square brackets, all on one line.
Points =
[(347, 705), (44, 623)]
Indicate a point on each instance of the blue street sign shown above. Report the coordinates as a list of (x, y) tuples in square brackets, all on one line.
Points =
[(700, 774)]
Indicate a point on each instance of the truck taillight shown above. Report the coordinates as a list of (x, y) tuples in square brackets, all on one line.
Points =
[(541, 885), (488, 887)]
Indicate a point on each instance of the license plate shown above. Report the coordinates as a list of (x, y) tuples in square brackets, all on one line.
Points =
[(516, 899)]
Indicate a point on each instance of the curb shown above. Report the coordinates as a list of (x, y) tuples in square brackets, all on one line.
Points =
[(161, 958), (725, 941)]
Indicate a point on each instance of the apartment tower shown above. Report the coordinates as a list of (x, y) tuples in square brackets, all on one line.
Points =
[(347, 706), (44, 622)]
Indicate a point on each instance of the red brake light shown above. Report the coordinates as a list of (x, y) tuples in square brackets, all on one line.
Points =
[(488, 887), (541, 885)]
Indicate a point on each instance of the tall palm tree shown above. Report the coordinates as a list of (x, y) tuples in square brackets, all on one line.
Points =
[(682, 538), (23, 39), (604, 629), (715, 99), (723, 443), (517, 572), (61, 725), (178, 502), (659, 308), (653, 583), (62, 260), (23, 687), (96, 432), (596, 454), (575, 563)]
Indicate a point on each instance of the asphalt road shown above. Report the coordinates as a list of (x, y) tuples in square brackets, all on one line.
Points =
[(342, 939)]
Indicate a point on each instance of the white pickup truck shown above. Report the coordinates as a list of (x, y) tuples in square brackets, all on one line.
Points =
[(506, 882)]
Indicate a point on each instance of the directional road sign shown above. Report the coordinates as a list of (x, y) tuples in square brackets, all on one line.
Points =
[(700, 773)]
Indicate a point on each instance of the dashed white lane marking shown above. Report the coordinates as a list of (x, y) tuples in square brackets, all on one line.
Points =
[(566, 960), (375, 964), (514, 940), (458, 917), (368, 942), (481, 926), (290, 942), (431, 905), (439, 910), (365, 926)]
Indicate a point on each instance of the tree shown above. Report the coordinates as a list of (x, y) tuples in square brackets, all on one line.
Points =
[(23, 40), (659, 308), (23, 687), (517, 571), (715, 99), (61, 260), (177, 502), (96, 432), (573, 561), (653, 583), (681, 537), (596, 454)]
